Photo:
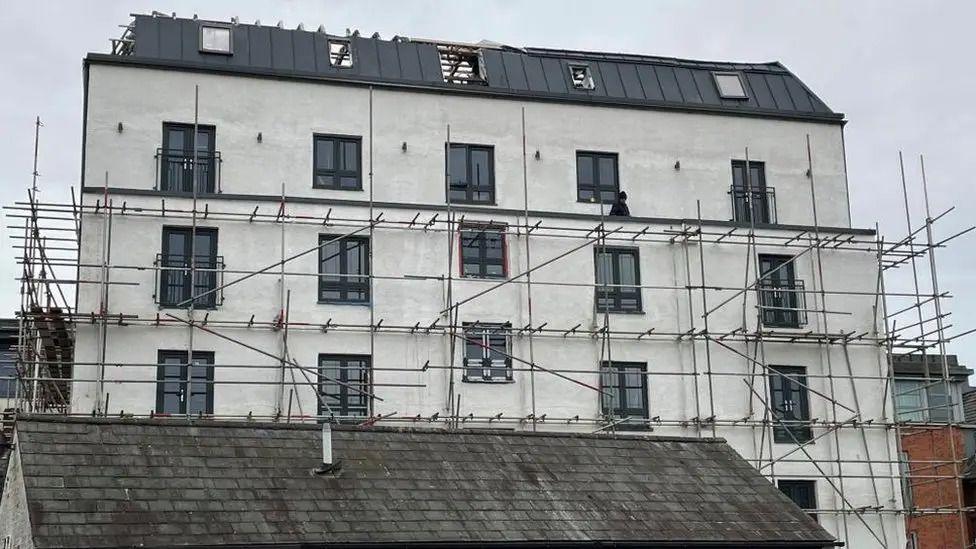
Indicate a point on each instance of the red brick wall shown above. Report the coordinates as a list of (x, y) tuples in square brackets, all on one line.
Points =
[(940, 531)]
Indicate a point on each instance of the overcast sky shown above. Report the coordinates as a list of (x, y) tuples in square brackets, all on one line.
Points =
[(902, 72)]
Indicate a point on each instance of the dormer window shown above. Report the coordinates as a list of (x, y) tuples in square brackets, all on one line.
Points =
[(340, 53), (581, 77), (216, 39), (460, 64), (730, 85)]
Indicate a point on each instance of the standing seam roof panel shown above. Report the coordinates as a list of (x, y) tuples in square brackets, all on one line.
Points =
[(495, 69), (282, 56), (686, 83), (148, 43), (613, 86), (631, 82), (409, 61), (260, 40), (555, 75), (513, 68), (430, 63), (304, 48), (650, 83), (389, 59), (760, 90), (170, 39), (535, 74), (669, 84), (800, 96)]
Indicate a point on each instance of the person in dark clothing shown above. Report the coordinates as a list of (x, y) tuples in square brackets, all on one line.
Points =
[(620, 205)]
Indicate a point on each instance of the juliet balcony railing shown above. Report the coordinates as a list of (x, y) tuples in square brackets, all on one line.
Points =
[(173, 285), (175, 171), (782, 304), (757, 205)]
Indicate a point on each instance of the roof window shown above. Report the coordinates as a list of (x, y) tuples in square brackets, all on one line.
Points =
[(216, 39), (730, 85), (461, 64), (581, 77), (340, 53)]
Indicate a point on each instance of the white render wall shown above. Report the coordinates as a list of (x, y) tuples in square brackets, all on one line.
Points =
[(648, 143)]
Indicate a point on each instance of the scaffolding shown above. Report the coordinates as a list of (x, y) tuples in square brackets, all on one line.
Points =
[(51, 242)]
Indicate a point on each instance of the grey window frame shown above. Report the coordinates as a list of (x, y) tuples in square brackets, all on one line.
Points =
[(8, 368), (207, 381), (616, 294), (782, 292), (795, 427), (230, 39), (478, 234), (345, 285), (469, 187), (343, 394), (598, 188), (338, 141), (796, 489), (927, 389), (752, 201), (587, 82), (190, 282), (475, 334), (742, 84), (615, 372), (337, 60)]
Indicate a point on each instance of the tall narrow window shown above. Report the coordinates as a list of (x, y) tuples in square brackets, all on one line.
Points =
[(596, 177), (751, 199), (483, 251), (617, 280), (789, 404), (472, 173), (181, 389), (176, 169), (487, 351), (182, 253), (782, 298), (337, 161), (345, 382), (8, 373), (802, 492), (344, 269), (625, 393)]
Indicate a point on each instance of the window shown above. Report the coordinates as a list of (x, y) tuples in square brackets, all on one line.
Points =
[(8, 373), (752, 201), (626, 383), (216, 39), (175, 159), (487, 352), (581, 77), (789, 404), (802, 492), (344, 381), (176, 395), (340, 53), (729, 85), (461, 64), (617, 280), (922, 400), (483, 251), (471, 170), (177, 285), (596, 177), (344, 269), (337, 163), (782, 299)]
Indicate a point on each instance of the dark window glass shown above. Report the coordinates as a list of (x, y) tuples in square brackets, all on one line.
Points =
[(617, 280), (8, 374), (483, 251), (626, 383), (751, 200), (471, 173), (487, 350), (782, 297), (336, 163), (344, 270), (790, 405), (802, 492), (344, 381), (596, 177), (180, 249), (176, 393), (176, 172)]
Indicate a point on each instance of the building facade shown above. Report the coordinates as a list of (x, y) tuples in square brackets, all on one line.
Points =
[(304, 226)]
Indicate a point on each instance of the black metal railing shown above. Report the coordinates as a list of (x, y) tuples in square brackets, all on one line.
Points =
[(175, 171), (755, 205), (173, 286), (783, 304)]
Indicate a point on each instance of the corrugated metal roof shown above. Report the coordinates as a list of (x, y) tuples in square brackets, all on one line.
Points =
[(536, 73)]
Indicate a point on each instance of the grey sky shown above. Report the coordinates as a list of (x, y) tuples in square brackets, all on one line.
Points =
[(902, 72)]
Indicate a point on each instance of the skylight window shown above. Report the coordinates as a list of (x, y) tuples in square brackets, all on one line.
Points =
[(216, 39), (340, 53), (581, 77), (730, 85), (460, 64)]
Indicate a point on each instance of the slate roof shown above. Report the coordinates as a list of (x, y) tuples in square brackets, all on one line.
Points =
[(914, 365), (111, 483), (525, 73)]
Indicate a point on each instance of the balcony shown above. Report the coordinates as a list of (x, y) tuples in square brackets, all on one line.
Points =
[(173, 287), (782, 304), (755, 205), (175, 171)]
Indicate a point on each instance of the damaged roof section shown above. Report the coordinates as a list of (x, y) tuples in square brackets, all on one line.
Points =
[(767, 89), (112, 483)]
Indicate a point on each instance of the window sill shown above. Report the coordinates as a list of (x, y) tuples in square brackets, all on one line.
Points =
[(488, 381), (355, 303), (479, 277), (641, 312), (321, 188), (605, 202), (187, 307), (472, 203)]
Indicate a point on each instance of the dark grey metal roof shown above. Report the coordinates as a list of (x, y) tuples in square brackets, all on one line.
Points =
[(531, 73), (110, 483), (914, 365)]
